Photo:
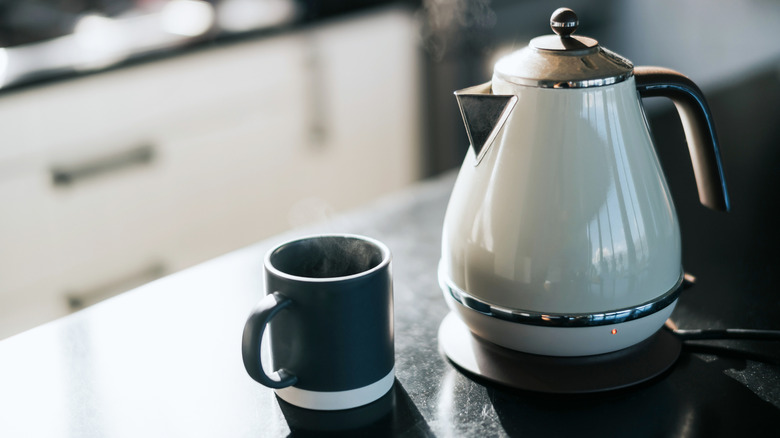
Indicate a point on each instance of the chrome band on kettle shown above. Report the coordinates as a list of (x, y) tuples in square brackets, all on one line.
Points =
[(561, 319)]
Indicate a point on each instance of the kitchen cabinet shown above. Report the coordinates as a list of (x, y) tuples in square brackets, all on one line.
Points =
[(113, 179)]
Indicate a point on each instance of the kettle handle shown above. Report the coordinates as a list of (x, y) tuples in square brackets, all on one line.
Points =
[(699, 129)]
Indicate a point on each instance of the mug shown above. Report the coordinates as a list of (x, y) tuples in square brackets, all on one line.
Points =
[(329, 313)]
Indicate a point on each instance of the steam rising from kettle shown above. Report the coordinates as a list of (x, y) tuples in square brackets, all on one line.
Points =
[(561, 231)]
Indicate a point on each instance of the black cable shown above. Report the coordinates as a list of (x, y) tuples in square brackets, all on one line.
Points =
[(720, 334)]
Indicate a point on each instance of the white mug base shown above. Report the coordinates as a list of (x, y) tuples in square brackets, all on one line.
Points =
[(337, 400)]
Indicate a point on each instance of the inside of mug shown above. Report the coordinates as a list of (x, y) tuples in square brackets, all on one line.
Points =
[(327, 257)]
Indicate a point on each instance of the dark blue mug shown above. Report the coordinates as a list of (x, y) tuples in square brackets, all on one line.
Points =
[(329, 313)]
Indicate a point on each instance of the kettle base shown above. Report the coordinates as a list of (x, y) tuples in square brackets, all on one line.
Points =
[(553, 374), (550, 339)]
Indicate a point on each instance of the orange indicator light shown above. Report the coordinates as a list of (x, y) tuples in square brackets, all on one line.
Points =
[(614, 331)]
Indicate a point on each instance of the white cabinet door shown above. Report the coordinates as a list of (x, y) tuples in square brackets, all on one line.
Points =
[(127, 175), (365, 96), (120, 177)]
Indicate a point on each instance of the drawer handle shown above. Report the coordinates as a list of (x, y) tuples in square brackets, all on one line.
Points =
[(66, 175), (80, 299)]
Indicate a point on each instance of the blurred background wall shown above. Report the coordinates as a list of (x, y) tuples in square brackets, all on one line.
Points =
[(717, 43), (141, 137)]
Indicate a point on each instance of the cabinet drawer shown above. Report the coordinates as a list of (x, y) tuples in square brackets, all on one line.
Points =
[(134, 173), (103, 155), (68, 114), (27, 226), (50, 230)]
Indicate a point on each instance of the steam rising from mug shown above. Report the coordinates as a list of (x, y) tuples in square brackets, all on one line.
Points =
[(326, 257)]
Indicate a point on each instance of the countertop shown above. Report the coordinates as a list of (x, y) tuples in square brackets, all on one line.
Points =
[(165, 360)]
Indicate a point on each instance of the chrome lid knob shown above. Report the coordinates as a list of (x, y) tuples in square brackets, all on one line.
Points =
[(564, 22)]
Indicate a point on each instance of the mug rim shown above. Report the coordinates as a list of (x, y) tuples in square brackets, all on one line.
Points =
[(386, 258)]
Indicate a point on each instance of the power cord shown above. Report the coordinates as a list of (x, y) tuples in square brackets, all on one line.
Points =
[(725, 334), (689, 281), (721, 334)]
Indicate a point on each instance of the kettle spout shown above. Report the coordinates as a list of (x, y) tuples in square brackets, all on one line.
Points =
[(484, 113)]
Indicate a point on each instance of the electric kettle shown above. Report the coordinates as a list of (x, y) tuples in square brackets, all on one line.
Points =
[(561, 237)]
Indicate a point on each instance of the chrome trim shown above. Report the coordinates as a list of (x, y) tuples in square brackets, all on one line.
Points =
[(564, 23), (561, 319), (549, 83)]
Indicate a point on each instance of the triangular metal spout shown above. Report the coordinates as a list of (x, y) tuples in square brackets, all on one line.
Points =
[(483, 115)]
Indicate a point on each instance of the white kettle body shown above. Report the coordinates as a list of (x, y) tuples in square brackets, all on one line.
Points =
[(561, 237)]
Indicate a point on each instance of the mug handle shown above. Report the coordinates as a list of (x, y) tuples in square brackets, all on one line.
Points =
[(262, 314)]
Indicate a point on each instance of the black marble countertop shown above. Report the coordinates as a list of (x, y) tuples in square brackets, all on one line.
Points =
[(165, 360)]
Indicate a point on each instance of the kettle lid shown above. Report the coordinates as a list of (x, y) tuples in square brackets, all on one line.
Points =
[(564, 60)]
